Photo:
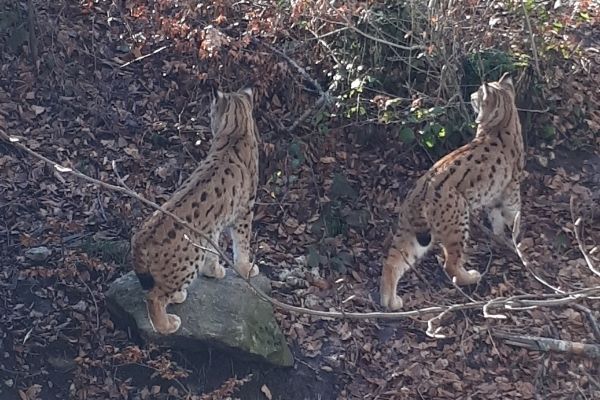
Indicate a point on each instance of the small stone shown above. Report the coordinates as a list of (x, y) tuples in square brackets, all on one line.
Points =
[(221, 313), (38, 254)]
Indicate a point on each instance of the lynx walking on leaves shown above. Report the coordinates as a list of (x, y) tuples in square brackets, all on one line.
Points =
[(485, 173), (219, 194)]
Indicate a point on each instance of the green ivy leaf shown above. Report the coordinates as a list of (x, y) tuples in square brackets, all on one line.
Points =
[(406, 135)]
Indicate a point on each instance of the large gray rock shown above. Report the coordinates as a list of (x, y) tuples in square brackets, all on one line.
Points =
[(220, 313)]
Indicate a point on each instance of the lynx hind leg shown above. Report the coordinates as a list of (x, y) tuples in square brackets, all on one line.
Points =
[(406, 249), (454, 237), (209, 261), (163, 323), (240, 233)]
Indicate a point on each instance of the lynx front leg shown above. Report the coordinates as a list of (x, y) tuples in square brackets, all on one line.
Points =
[(511, 203), (504, 213), (163, 323), (211, 266), (240, 233), (405, 251)]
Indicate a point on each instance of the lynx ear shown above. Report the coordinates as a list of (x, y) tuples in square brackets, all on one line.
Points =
[(248, 91), (485, 89), (506, 80), (215, 94)]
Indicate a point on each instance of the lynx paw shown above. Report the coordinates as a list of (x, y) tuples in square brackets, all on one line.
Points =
[(179, 297), (217, 271), (469, 277), (254, 270), (248, 270), (171, 325), (392, 303)]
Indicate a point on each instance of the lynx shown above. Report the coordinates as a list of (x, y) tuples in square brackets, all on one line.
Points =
[(484, 173), (219, 194)]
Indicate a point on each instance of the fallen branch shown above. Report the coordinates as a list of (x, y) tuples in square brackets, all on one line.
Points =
[(537, 343), (518, 302), (589, 315)]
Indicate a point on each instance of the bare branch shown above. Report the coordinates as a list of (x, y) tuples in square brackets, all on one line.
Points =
[(300, 69), (537, 343), (324, 96), (531, 38), (589, 315)]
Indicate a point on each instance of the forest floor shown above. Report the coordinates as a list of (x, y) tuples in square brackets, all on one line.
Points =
[(325, 211)]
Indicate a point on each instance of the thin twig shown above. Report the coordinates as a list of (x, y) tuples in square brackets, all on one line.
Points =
[(589, 315), (531, 38), (306, 114), (577, 227), (144, 56), (379, 40), (300, 69), (95, 303), (517, 246), (324, 96), (534, 111)]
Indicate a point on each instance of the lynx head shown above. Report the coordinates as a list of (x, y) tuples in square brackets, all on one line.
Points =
[(494, 100), (226, 108)]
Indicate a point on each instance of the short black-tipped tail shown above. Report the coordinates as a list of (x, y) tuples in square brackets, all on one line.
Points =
[(139, 263), (146, 280)]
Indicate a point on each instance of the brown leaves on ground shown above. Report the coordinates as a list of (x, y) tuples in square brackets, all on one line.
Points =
[(327, 204)]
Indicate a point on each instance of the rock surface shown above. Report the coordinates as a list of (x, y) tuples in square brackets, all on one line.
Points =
[(223, 314)]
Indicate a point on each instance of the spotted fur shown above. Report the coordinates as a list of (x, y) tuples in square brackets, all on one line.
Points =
[(219, 194), (485, 173)]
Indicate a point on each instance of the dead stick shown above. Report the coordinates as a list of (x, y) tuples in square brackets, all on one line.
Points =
[(537, 343), (589, 315)]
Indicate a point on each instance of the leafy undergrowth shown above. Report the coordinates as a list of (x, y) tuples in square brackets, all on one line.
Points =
[(326, 207)]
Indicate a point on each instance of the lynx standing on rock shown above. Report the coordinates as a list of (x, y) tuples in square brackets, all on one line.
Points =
[(220, 193), (483, 173)]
